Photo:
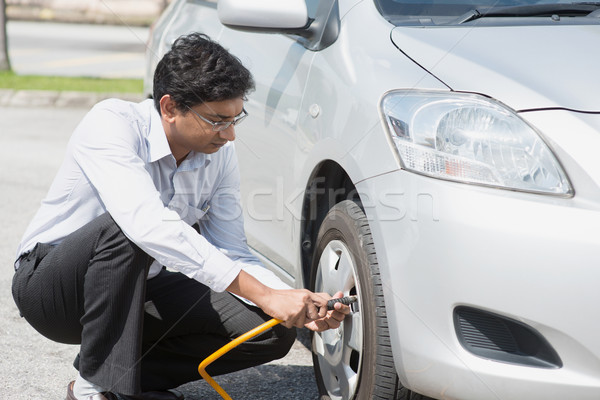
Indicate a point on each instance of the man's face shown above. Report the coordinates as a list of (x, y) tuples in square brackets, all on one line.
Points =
[(193, 130)]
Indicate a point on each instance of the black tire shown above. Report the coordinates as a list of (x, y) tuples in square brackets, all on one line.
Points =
[(365, 370)]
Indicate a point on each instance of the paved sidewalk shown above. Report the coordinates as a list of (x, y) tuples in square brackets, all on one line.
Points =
[(61, 99)]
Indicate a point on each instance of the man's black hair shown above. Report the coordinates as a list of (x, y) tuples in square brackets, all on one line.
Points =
[(199, 70)]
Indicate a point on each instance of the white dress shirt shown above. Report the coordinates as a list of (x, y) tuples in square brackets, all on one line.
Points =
[(118, 160)]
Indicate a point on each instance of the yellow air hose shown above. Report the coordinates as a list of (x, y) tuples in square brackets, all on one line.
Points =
[(208, 360), (249, 335)]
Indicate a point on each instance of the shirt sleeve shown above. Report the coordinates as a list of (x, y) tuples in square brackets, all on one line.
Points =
[(107, 149), (223, 225)]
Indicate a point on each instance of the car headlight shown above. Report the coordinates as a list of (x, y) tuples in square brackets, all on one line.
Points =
[(469, 138)]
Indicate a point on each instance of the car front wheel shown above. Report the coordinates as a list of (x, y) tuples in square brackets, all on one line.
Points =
[(354, 361)]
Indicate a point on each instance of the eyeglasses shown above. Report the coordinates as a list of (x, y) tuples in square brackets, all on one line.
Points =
[(222, 125)]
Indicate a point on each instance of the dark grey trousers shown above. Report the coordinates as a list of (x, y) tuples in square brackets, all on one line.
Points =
[(92, 290)]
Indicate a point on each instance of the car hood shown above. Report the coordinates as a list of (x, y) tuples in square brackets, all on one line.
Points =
[(526, 67)]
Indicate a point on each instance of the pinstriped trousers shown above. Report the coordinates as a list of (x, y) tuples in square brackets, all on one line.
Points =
[(135, 334)]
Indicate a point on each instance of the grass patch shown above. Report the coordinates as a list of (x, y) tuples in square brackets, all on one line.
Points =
[(10, 80)]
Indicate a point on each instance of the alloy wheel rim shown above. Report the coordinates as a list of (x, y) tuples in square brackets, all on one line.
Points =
[(339, 351)]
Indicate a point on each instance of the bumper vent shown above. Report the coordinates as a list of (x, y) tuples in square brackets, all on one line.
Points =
[(503, 339)]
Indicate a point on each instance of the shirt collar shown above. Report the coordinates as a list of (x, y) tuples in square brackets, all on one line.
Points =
[(157, 138), (159, 146)]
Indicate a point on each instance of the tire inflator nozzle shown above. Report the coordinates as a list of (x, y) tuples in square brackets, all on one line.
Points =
[(344, 300)]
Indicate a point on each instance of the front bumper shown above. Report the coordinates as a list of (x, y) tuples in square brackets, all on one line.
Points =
[(532, 258)]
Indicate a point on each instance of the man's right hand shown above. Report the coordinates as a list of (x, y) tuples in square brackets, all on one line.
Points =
[(295, 307)]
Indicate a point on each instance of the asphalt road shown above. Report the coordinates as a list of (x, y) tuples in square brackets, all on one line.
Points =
[(49, 48), (32, 144)]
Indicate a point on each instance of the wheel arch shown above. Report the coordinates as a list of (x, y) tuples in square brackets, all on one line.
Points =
[(328, 184)]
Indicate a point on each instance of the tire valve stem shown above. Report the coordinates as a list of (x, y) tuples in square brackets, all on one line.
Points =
[(344, 300)]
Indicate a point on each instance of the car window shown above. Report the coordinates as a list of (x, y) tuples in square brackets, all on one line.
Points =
[(402, 11)]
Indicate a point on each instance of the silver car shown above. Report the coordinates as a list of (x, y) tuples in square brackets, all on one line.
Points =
[(440, 161)]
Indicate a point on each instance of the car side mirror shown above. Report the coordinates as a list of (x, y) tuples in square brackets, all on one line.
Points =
[(286, 17), (263, 15)]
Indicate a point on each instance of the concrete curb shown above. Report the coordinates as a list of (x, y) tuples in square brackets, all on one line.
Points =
[(60, 99)]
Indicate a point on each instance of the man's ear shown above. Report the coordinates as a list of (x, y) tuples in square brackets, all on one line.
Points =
[(168, 108)]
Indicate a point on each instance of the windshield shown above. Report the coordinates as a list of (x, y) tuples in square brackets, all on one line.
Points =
[(440, 11)]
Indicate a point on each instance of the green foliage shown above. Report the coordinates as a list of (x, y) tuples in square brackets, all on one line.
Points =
[(10, 80)]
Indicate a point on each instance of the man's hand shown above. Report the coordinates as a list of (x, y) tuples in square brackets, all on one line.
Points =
[(295, 307), (332, 319)]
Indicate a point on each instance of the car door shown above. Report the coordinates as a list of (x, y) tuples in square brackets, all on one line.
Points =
[(267, 143)]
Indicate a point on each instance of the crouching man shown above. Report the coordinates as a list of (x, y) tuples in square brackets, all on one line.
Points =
[(138, 251)]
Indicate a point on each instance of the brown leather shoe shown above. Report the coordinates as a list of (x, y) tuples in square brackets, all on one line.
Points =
[(166, 395), (98, 396)]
